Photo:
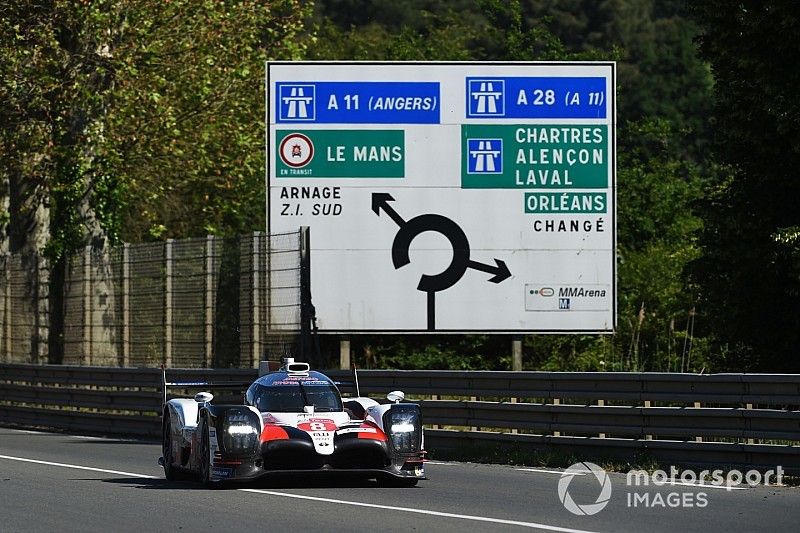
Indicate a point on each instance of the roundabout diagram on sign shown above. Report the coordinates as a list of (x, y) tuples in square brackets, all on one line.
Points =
[(433, 283)]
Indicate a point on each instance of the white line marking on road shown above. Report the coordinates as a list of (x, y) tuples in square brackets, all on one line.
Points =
[(540, 470), (80, 437), (438, 463), (702, 485), (665, 483), (532, 525), (76, 467)]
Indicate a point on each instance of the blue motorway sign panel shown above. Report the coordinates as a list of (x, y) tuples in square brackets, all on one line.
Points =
[(536, 97), (328, 102)]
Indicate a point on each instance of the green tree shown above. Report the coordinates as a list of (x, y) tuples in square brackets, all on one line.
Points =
[(139, 118), (135, 119), (749, 273), (660, 73)]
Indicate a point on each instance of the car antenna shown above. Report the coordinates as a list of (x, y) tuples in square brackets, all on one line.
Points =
[(355, 378)]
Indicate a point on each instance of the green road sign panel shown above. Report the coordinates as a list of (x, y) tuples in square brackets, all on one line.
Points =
[(534, 157), (565, 202), (340, 154)]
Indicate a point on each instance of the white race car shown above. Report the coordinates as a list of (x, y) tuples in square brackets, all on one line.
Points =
[(292, 420)]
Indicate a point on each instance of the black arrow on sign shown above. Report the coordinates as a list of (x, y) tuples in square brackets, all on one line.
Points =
[(458, 240), (501, 271), (380, 200)]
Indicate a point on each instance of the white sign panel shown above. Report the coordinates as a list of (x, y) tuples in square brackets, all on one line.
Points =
[(449, 197)]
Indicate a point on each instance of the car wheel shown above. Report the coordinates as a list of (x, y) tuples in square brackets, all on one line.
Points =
[(204, 469), (166, 450)]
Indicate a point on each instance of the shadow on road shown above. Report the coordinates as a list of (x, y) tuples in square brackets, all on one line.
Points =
[(276, 481)]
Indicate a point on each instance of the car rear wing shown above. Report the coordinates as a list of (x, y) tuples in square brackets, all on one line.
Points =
[(165, 385)]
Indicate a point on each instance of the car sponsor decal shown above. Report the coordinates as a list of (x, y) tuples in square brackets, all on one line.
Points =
[(213, 445), (317, 424), (357, 430), (294, 380), (323, 441), (322, 431), (221, 473)]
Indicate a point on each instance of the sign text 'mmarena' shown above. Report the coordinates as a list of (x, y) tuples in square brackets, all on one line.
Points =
[(580, 292)]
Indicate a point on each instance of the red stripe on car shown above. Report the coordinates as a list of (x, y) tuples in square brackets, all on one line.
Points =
[(273, 432), (374, 435)]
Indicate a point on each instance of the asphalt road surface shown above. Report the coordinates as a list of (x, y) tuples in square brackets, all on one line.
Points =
[(56, 482)]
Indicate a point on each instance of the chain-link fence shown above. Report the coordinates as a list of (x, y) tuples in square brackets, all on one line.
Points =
[(207, 302)]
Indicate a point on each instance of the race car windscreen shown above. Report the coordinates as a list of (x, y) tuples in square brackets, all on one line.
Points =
[(292, 398)]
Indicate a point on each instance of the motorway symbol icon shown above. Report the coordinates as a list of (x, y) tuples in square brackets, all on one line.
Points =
[(431, 284), (297, 103), (485, 98), (485, 156)]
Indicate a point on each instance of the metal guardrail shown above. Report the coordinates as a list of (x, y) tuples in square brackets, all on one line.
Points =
[(669, 417)]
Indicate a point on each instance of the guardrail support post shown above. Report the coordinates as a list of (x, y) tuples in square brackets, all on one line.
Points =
[(514, 430), (434, 397), (556, 401), (647, 406), (697, 406), (474, 399), (749, 406), (168, 302), (344, 353), (601, 403)]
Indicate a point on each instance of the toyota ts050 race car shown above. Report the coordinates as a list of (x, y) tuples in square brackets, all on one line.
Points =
[(292, 420)]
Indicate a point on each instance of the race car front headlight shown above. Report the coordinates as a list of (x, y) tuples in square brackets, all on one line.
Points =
[(404, 426), (241, 431)]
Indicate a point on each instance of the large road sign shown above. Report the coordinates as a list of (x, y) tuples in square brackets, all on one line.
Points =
[(450, 197)]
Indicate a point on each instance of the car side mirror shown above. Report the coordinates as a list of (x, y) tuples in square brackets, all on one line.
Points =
[(396, 396), (203, 397)]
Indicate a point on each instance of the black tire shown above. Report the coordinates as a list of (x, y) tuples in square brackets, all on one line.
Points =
[(166, 450), (204, 464)]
